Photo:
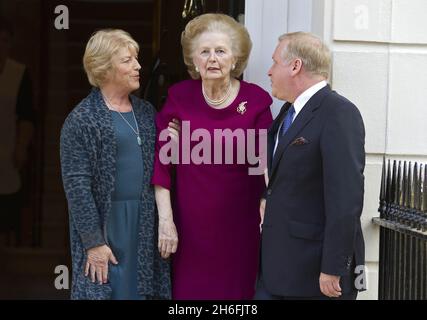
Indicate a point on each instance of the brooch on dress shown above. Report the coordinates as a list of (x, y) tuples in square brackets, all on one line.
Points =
[(242, 107)]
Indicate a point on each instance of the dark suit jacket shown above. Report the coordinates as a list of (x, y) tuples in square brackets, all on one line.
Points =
[(314, 198)]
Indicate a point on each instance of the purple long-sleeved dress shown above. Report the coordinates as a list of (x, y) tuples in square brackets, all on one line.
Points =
[(216, 206)]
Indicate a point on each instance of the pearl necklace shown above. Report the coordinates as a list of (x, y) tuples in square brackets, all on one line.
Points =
[(219, 101)]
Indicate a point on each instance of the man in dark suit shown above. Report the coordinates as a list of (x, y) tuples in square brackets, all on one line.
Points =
[(312, 240)]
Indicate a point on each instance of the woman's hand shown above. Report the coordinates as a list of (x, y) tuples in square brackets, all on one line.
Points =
[(261, 213), (97, 263), (168, 237), (174, 128)]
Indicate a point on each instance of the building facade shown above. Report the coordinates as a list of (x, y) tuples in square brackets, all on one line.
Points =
[(379, 51)]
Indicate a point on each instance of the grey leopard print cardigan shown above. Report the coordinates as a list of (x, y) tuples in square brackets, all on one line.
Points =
[(88, 148)]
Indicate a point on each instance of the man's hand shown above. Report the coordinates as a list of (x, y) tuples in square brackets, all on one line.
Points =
[(261, 213), (168, 237), (97, 263), (330, 285)]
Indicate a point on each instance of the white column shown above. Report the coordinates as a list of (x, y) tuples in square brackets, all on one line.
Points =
[(266, 20)]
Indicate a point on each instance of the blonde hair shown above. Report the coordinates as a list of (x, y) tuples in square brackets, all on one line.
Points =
[(100, 49), (241, 43), (315, 55)]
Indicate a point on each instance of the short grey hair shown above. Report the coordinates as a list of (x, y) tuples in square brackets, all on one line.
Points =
[(315, 55)]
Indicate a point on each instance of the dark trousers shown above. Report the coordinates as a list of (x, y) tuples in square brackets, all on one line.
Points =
[(262, 294)]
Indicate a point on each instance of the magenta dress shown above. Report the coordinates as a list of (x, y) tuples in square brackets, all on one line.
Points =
[(216, 206)]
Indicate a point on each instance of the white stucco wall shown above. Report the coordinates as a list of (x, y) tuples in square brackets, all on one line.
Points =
[(379, 50), (380, 63)]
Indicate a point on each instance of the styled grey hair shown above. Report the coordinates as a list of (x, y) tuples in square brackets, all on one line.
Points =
[(216, 22)]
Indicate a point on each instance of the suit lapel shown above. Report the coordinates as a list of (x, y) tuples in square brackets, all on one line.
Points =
[(271, 136), (303, 118)]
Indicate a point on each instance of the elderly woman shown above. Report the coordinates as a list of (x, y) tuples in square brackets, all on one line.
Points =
[(107, 153), (213, 226)]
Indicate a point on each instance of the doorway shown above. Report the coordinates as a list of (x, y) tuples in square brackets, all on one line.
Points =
[(54, 61)]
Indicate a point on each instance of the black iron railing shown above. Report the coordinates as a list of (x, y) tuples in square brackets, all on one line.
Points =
[(403, 236)]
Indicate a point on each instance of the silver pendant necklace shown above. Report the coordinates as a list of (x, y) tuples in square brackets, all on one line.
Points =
[(138, 137)]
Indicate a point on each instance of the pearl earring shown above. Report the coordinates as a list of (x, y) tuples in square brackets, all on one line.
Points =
[(233, 67), (197, 69)]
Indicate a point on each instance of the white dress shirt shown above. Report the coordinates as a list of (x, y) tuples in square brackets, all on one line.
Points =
[(299, 103)]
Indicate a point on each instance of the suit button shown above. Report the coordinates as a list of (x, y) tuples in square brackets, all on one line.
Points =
[(269, 192)]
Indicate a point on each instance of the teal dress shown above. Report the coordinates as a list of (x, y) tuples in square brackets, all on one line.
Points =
[(123, 220)]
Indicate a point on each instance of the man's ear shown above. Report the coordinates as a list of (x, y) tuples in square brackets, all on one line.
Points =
[(296, 66)]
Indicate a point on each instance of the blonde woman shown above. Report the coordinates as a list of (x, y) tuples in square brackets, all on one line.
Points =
[(107, 152)]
